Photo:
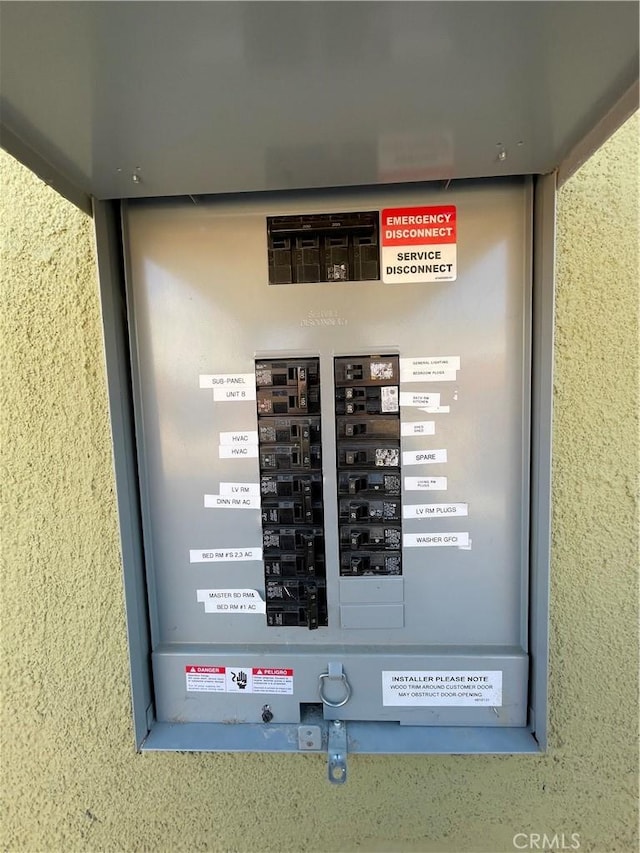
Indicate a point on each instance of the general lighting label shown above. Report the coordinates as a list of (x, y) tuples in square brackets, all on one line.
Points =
[(443, 368)]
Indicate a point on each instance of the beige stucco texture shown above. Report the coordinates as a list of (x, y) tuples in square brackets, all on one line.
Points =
[(72, 780)]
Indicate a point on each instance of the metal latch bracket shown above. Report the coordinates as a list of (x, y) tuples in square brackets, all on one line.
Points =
[(337, 765)]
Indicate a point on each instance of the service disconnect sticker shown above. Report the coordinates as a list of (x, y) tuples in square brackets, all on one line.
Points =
[(419, 244)]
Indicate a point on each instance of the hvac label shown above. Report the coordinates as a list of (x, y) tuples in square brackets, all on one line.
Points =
[(419, 244), (237, 679), (442, 687)]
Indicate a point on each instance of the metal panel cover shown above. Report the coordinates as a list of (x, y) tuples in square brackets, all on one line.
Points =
[(142, 99), (201, 305)]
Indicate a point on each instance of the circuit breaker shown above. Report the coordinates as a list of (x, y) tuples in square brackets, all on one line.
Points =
[(292, 504), (333, 402), (368, 465)]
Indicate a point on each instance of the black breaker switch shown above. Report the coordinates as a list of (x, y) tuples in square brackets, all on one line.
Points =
[(289, 436), (323, 247), (368, 458)]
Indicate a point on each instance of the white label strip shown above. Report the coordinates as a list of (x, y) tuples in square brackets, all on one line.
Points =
[(447, 362), (433, 510), (423, 457), (225, 555), (232, 394), (413, 398), (231, 602), (242, 489), (425, 484), (228, 380), (236, 439), (418, 428), (247, 451), (433, 374), (435, 540), (436, 410), (232, 501), (237, 679), (455, 688)]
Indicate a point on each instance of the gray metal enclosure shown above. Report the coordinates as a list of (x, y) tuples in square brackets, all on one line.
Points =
[(201, 304), (270, 182)]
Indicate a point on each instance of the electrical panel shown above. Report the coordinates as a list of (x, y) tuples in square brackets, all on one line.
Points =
[(335, 470)]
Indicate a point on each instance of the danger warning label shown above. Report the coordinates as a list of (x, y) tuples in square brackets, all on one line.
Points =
[(238, 679), (205, 679), (419, 244)]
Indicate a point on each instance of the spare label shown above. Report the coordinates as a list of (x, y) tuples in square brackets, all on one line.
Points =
[(419, 244)]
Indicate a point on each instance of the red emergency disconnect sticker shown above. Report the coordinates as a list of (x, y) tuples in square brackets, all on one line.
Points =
[(419, 244)]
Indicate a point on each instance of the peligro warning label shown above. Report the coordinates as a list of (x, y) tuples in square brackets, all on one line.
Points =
[(456, 688), (237, 679)]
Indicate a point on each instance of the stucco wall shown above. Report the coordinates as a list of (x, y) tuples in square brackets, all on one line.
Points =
[(71, 778)]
